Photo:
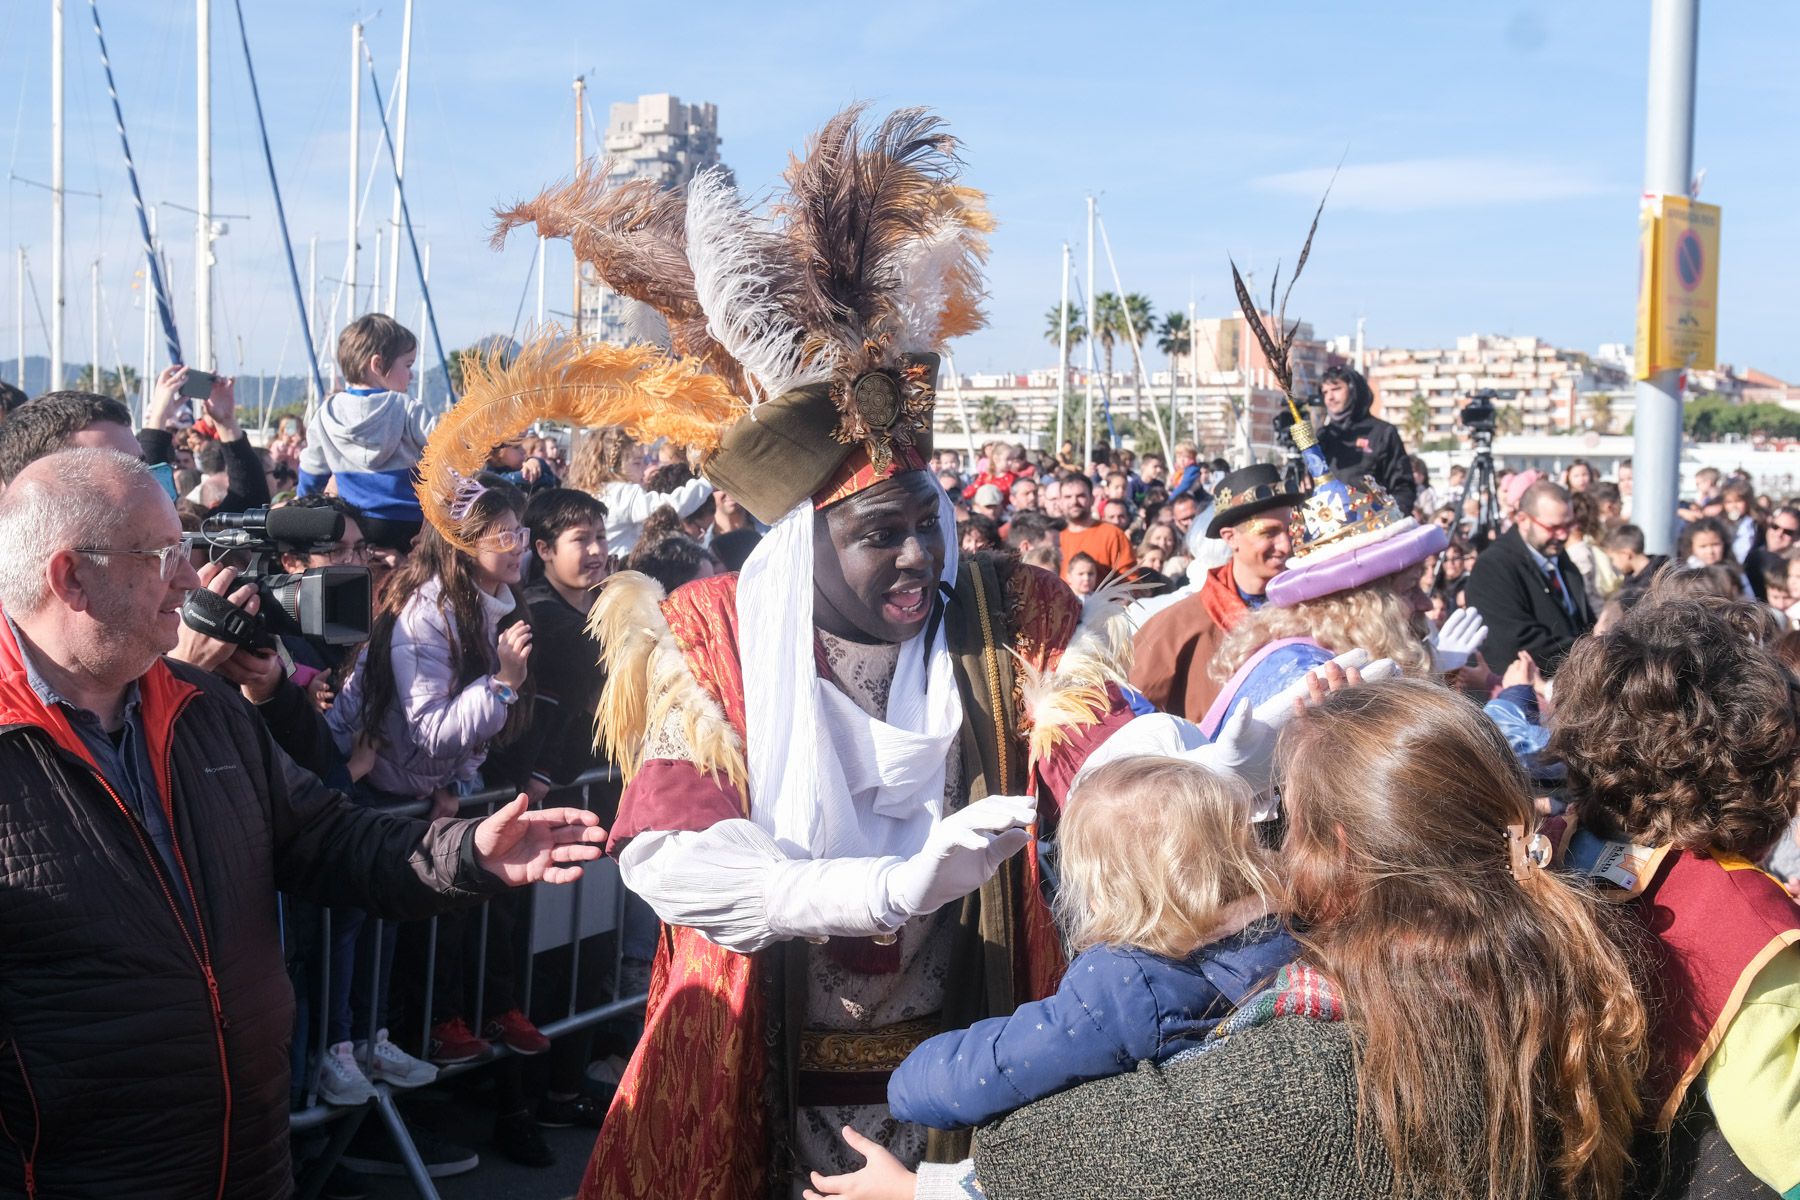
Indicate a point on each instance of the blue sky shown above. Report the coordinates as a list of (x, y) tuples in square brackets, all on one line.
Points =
[(1493, 154)]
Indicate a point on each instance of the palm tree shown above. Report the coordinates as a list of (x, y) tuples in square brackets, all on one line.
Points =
[(1418, 419), (1053, 326), (1600, 405), (1509, 417), (1108, 326), (988, 413), (108, 383), (1175, 339)]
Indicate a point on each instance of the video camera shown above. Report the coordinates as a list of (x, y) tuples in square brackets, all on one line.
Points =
[(330, 604), (1284, 431), (1480, 417)]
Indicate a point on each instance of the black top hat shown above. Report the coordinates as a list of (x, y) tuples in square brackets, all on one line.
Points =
[(1246, 492)]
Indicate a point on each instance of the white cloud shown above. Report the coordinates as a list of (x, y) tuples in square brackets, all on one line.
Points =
[(1456, 181)]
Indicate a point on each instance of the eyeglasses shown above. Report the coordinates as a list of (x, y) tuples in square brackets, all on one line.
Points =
[(506, 541), (1786, 531), (1553, 530), (342, 552), (168, 557)]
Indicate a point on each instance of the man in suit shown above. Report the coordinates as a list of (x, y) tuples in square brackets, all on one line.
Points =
[(1527, 588)]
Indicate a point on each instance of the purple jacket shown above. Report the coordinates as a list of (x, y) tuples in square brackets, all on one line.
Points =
[(436, 734)]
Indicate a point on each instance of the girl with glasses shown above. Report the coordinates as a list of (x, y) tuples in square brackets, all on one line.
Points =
[(443, 679)]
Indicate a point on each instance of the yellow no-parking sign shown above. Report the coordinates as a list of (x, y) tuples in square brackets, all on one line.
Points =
[(1678, 285)]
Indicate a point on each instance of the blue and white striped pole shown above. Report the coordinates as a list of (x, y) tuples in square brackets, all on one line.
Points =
[(137, 198)]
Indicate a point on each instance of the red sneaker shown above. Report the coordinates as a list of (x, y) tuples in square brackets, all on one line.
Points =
[(453, 1042), (516, 1032)]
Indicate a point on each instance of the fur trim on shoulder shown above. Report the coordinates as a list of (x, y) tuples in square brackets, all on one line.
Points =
[(649, 686), (1072, 695)]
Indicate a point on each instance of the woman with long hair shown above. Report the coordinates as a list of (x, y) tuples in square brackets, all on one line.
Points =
[(598, 466), (1460, 1022)]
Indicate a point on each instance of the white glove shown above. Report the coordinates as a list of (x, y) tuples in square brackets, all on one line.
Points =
[(1245, 744), (1457, 640), (961, 853)]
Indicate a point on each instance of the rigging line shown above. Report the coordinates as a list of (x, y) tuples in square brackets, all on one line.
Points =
[(38, 302), (280, 211), (387, 137), (50, 187), (163, 309)]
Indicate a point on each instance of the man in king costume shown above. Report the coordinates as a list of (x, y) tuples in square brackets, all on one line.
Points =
[(834, 758)]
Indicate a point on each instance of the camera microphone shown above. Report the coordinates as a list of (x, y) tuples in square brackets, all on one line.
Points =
[(294, 526)]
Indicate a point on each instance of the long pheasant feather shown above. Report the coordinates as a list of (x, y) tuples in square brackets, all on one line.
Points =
[(1272, 350)]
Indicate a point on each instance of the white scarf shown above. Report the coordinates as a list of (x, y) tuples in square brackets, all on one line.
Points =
[(826, 779)]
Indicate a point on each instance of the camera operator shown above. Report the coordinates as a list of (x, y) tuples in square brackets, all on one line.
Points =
[(1359, 445)]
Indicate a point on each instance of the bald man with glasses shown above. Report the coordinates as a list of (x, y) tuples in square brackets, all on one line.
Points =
[(149, 822)]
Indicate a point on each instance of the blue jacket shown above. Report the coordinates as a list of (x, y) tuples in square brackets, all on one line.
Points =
[(1114, 1009)]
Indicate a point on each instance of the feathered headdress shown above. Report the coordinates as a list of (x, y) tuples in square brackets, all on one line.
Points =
[(802, 344)]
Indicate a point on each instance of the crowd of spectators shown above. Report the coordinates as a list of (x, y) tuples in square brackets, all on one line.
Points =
[(479, 672)]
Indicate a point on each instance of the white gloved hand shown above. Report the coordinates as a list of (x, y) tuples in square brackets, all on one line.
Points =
[(961, 853), (1245, 744), (1457, 640)]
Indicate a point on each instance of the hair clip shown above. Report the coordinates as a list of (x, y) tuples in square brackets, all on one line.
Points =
[(468, 491), (1526, 853)]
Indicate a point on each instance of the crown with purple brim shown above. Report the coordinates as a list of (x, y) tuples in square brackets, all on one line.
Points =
[(1346, 534)]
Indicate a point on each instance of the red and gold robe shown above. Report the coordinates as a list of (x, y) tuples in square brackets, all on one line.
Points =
[(703, 1104)]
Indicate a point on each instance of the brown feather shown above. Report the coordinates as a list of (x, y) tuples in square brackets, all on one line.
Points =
[(853, 203), (1276, 355), (557, 379), (634, 235)]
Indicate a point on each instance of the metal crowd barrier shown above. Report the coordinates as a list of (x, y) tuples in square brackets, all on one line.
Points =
[(560, 915)]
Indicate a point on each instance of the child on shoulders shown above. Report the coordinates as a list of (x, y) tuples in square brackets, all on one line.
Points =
[(371, 435)]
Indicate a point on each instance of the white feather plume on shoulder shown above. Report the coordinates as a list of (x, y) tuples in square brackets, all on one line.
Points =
[(1073, 694), (737, 261)]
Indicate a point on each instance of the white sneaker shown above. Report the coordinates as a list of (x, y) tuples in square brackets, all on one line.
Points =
[(341, 1081), (390, 1063)]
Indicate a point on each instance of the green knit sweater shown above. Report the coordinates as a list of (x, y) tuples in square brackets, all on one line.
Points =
[(1271, 1112)]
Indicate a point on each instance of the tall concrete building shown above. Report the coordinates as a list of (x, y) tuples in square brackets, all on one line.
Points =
[(663, 140)]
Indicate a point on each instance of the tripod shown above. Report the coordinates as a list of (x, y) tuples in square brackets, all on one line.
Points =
[(1481, 485)]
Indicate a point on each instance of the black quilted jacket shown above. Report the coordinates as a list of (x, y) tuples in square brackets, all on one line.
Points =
[(144, 1054)]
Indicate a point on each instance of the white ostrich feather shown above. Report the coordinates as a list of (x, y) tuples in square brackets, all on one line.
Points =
[(734, 256), (924, 270)]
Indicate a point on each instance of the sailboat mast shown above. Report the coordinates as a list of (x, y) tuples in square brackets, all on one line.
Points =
[(356, 34), (1087, 444), (404, 88), (1062, 360), (203, 256), (540, 283), (312, 305), (56, 195), (20, 312), (94, 329), (580, 157)]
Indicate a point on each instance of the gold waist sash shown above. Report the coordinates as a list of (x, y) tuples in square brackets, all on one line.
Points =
[(844, 1050)]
